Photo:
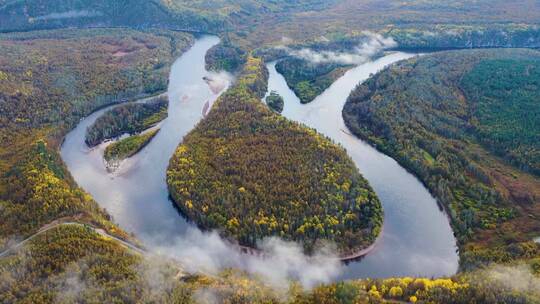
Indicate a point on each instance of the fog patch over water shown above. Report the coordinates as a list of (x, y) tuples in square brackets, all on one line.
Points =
[(280, 263), (373, 45), (218, 81)]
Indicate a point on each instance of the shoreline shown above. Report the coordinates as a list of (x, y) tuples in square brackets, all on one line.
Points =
[(341, 257)]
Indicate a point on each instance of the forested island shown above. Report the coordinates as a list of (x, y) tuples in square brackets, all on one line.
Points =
[(467, 123), (225, 174), (130, 118), (225, 56), (275, 102), (128, 147)]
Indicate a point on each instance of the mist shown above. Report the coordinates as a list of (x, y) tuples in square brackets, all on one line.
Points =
[(517, 278), (218, 81), (279, 263), (373, 44), (68, 15)]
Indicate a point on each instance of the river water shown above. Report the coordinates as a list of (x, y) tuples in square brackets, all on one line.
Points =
[(137, 196), (416, 240)]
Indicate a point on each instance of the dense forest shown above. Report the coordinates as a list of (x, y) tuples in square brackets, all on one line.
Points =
[(84, 266), (234, 172), (505, 99), (275, 102), (255, 23), (413, 24), (128, 147), (76, 264), (225, 56), (194, 15), (81, 70), (128, 118), (447, 117), (308, 79)]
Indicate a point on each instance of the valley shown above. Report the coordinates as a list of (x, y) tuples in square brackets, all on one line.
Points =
[(253, 151)]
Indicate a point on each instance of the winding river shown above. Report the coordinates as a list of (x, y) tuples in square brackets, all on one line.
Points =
[(136, 195), (416, 240)]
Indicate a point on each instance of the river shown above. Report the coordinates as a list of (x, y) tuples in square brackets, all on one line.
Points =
[(417, 239), (136, 195)]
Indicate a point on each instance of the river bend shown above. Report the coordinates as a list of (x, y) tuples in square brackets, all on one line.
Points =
[(416, 239)]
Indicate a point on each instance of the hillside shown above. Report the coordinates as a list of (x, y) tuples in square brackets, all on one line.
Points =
[(35, 14), (251, 173), (308, 80), (466, 123), (504, 95), (255, 23), (443, 24), (193, 15)]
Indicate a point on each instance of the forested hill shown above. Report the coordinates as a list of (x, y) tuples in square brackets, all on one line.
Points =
[(307, 79), (251, 173), (34, 14), (467, 124), (194, 15), (255, 23)]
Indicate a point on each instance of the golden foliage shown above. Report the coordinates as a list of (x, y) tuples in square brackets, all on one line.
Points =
[(252, 173)]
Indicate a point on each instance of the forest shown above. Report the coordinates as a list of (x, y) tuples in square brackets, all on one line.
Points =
[(275, 102), (103, 67), (452, 36), (127, 147), (307, 79), (225, 56), (449, 118), (226, 173), (194, 15), (463, 122), (84, 266), (505, 95), (484, 286), (252, 24), (128, 118)]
